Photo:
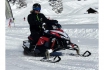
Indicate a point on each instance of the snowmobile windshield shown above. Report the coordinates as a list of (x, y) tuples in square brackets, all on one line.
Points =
[(58, 26)]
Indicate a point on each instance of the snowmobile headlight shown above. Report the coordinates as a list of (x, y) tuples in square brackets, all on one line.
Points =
[(67, 38)]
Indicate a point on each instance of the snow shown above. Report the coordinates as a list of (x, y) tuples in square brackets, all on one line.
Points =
[(82, 29)]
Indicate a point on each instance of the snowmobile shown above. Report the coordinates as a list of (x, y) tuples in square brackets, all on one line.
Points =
[(52, 40)]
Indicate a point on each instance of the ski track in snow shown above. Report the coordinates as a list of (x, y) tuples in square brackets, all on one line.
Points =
[(82, 29)]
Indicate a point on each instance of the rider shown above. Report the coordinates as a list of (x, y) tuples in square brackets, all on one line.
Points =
[(35, 20)]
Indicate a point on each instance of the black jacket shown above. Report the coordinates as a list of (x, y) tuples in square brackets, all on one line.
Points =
[(36, 20)]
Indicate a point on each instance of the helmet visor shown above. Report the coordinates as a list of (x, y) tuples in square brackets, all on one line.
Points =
[(37, 9)]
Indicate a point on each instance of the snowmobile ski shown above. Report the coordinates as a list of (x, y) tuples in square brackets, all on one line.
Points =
[(85, 54), (54, 60)]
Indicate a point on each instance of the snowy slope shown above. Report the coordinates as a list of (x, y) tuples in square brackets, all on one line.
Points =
[(82, 29)]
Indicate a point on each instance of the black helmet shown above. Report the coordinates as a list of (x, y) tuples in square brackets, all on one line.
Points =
[(36, 7)]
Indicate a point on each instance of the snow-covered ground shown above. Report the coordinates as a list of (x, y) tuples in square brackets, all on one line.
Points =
[(82, 29)]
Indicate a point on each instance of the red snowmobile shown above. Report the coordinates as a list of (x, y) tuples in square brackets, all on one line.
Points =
[(53, 40)]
